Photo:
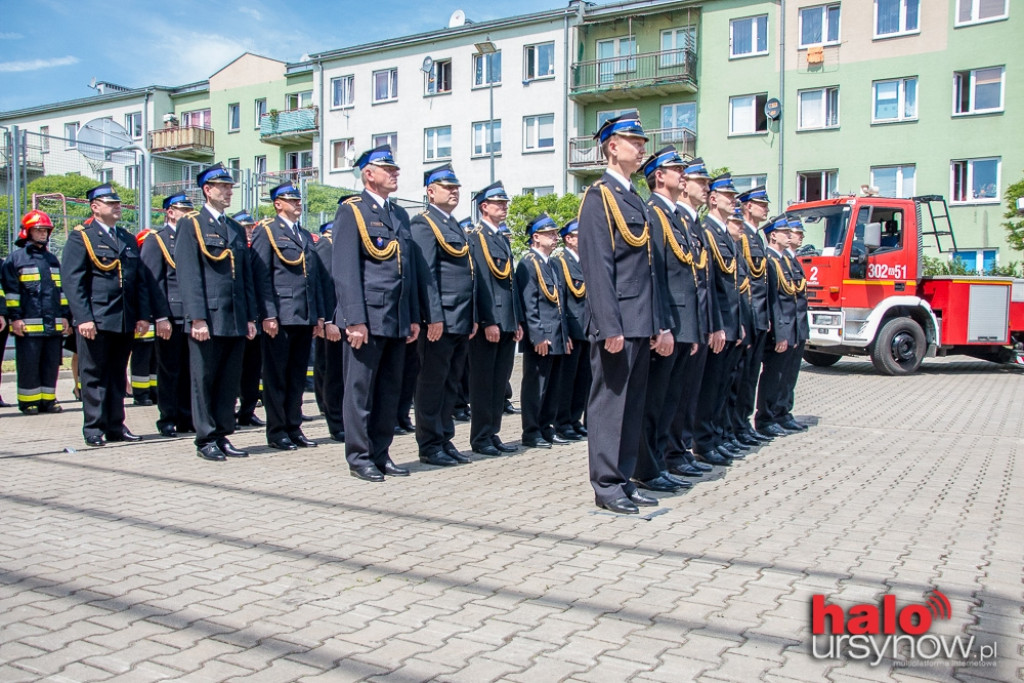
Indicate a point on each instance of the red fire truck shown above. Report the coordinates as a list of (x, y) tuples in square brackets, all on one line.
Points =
[(867, 293)]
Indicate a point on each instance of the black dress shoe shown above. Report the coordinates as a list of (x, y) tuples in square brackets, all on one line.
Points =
[(393, 470), (504, 447), (301, 441), (491, 451), (366, 473), (714, 457), (338, 436), (439, 458), (747, 440), (568, 434), (143, 402), (211, 452), (460, 415), (452, 452), (306, 418), (94, 441), (248, 421), (737, 446), (622, 506), (681, 483), (760, 436), (558, 440), (793, 426), (641, 500), (511, 409), (230, 451), (282, 444), (580, 429), (406, 424), (775, 430), (168, 431), (184, 429), (688, 470), (657, 484), (536, 443), (125, 435)]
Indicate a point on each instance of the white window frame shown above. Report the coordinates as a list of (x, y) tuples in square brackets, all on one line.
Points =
[(972, 85), (430, 137), (44, 139), (204, 119), (901, 99), (105, 176), (975, 6), (132, 176), (298, 157), (433, 77), (527, 49), (603, 116), (392, 76), (481, 74), (234, 117), (259, 108), (902, 30), (755, 35), (391, 138), (349, 89), (539, 191), (259, 165), (747, 182), (825, 25), (671, 107), (759, 101), (130, 124), (349, 144), (901, 178), (968, 180), (294, 100), (481, 128), (531, 134), (675, 55), (979, 258), (828, 104), (618, 62), (71, 134), (829, 182)]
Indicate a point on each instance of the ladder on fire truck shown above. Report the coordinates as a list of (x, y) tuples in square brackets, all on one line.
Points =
[(938, 213)]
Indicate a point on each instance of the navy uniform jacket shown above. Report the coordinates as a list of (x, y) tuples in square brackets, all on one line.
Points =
[(447, 279), (544, 319), (782, 305), (324, 249), (568, 271), (746, 301), (803, 328), (217, 291), (726, 285), (758, 285), (31, 279), (376, 291), (497, 301), (687, 299), (286, 275), (114, 299), (623, 294), (164, 292), (708, 316)]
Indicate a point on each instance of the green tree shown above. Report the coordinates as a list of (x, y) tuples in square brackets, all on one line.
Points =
[(525, 207), (1014, 221)]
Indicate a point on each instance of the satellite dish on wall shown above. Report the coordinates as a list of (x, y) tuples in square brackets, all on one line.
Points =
[(98, 137), (457, 19)]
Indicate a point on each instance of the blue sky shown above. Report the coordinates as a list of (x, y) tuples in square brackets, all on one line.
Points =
[(51, 49)]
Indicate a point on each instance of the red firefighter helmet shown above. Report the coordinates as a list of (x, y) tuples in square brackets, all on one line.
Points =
[(32, 219)]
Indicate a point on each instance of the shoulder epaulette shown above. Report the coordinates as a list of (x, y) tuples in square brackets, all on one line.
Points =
[(192, 214), (352, 199), (265, 221), (79, 227)]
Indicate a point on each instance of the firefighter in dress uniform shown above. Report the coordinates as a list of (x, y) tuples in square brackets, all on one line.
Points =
[(251, 387), (142, 370), (329, 368), (572, 370), (37, 312)]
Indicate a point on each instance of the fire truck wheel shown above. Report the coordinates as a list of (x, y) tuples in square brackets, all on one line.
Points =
[(899, 347), (821, 360)]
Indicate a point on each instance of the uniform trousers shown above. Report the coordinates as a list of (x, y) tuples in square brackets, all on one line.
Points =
[(38, 361), (615, 415), (216, 369), (319, 368), (771, 389), (143, 370), (711, 422), (680, 440), (173, 384), (490, 366), (437, 388), (249, 387), (285, 359), (373, 375), (744, 388), (332, 357), (790, 377), (666, 384), (538, 396), (102, 364), (410, 371), (573, 384)]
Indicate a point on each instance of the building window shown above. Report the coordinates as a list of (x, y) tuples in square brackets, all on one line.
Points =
[(819, 25), (234, 117), (974, 181), (105, 175), (259, 165), (71, 134), (538, 133), (133, 122), (482, 138), (819, 108), (815, 185), (385, 85), (343, 93), (299, 160), (131, 177), (44, 139), (387, 139), (675, 117), (979, 261), (235, 165), (298, 100), (342, 154), (487, 69), (439, 80), (539, 61), (541, 191), (976, 11), (437, 143), (199, 118), (609, 66), (748, 36), (744, 183), (896, 17), (746, 114), (674, 44), (259, 110), (978, 91), (603, 116), (895, 100), (894, 181)]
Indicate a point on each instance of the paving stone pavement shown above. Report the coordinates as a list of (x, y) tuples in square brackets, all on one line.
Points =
[(140, 562)]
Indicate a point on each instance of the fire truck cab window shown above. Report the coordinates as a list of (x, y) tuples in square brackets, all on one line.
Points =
[(892, 227)]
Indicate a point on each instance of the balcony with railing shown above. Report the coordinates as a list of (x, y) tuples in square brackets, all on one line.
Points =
[(294, 126), (183, 142), (633, 76), (585, 153), (293, 175)]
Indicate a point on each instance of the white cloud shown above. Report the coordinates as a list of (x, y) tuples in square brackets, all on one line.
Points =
[(254, 13), (10, 35), (36, 64)]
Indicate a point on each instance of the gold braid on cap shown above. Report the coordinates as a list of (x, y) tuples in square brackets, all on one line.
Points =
[(449, 249), (578, 292), (613, 215), (548, 294), (756, 271), (105, 267), (382, 254), (505, 274), (226, 254), (277, 250)]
